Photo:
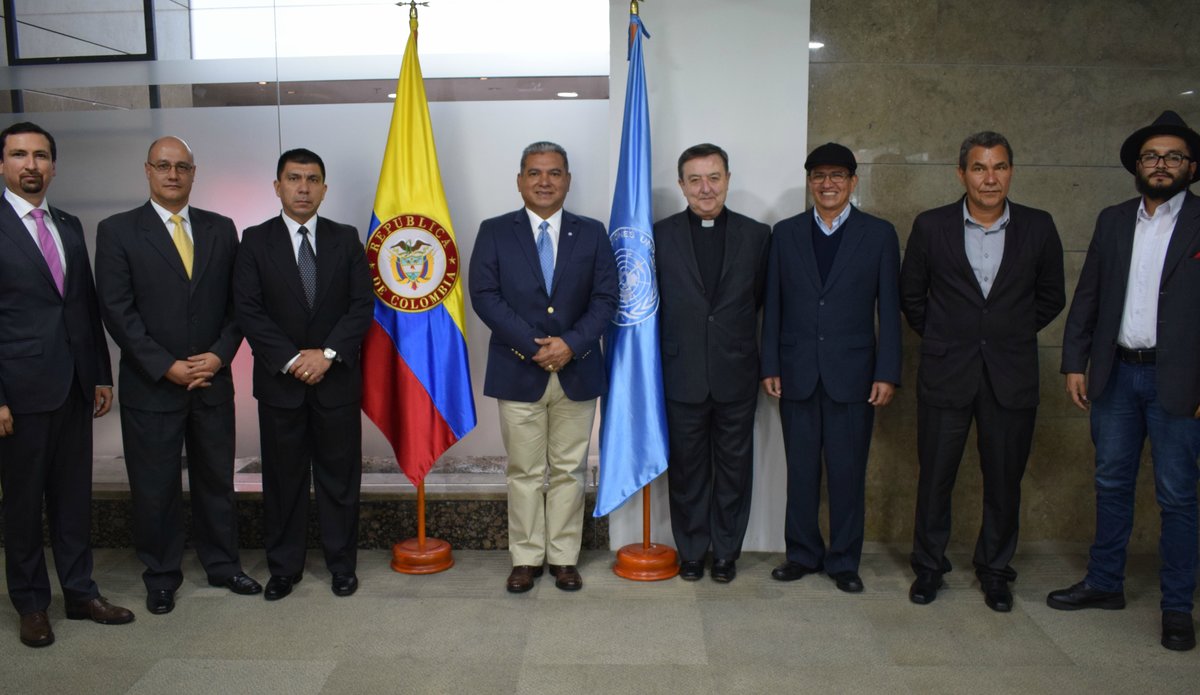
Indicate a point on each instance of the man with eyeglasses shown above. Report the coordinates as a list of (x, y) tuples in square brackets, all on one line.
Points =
[(164, 272), (831, 275), (980, 278), (1135, 321)]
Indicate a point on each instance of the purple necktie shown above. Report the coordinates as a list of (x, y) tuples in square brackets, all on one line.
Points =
[(49, 250)]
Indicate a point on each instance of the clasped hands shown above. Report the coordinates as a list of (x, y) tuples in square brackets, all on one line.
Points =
[(553, 353), (310, 366), (196, 372)]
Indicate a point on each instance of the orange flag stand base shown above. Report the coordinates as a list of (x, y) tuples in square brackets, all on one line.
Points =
[(421, 555), (646, 561)]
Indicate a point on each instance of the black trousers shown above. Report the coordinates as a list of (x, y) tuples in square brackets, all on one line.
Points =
[(301, 446), (815, 428), (48, 456), (709, 474), (153, 443), (1004, 437)]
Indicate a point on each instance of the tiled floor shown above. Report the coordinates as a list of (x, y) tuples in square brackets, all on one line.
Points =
[(459, 632)]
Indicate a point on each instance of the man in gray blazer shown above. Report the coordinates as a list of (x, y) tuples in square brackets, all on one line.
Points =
[(1135, 321), (833, 272), (164, 272), (711, 266)]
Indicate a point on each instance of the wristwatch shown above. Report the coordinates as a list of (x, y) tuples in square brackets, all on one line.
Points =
[(330, 354)]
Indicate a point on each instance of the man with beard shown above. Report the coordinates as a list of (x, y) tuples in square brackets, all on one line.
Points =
[(54, 379), (1135, 320), (980, 278)]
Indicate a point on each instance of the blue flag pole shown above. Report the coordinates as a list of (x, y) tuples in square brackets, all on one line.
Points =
[(633, 429)]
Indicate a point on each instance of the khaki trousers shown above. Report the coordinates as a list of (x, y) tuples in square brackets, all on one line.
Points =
[(552, 434)]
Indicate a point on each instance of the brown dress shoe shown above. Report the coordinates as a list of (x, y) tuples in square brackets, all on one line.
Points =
[(521, 578), (35, 630), (99, 610), (566, 577)]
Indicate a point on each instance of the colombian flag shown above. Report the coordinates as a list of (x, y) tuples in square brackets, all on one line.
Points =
[(416, 380)]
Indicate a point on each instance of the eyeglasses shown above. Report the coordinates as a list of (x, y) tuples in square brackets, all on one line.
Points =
[(1173, 160), (835, 177), (182, 167)]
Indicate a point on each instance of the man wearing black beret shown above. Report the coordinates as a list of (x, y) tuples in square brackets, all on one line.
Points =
[(1135, 320)]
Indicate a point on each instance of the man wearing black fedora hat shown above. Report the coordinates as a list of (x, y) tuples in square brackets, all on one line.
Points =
[(832, 272), (1135, 321), (981, 277)]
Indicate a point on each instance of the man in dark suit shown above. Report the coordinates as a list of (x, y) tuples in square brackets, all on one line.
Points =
[(544, 281), (980, 278), (711, 266), (54, 378), (1135, 320), (305, 304), (164, 272), (833, 272)]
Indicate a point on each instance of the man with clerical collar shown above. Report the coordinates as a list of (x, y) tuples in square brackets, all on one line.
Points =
[(1134, 328), (711, 265), (831, 279), (981, 277)]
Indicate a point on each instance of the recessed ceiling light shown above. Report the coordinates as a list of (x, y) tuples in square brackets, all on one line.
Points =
[(391, 96), (261, 83), (1188, 93), (568, 95), (813, 45), (483, 78)]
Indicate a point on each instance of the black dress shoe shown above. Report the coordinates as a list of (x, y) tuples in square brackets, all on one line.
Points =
[(280, 586), (791, 571), (996, 595), (724, 571), (160, 601), (344, 583), (240, 583), (1083, 596), (925, 588), (1178, 633), (849, 582), (691, 570)]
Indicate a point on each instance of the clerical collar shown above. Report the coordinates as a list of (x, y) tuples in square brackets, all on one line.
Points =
[(719, 220)]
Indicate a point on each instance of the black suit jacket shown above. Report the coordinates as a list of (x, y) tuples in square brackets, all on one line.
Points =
[(959, 328), (156, 314), (1095, 316), (272, 311), (509, 294), (814, 331), (47, 340), (710, 349)]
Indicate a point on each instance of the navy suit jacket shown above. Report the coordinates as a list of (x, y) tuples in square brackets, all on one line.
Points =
[(1095, 315), (274, 315), (960, 329), (156, 314), (47, 340), (509, 293), (827, 331), (710, 349)]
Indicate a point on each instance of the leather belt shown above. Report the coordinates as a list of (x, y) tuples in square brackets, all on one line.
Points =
[(1135, 356)]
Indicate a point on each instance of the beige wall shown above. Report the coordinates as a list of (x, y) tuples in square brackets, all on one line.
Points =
[(902, 83)]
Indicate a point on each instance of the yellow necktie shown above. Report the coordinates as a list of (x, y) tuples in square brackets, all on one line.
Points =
[(183, 243)]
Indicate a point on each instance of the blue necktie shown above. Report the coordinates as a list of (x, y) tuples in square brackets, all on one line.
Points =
[(546, 255)]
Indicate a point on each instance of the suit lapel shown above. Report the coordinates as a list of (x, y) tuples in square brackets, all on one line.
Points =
[(74, 248), (12, 227), (202, 244), (733, 244), (954, 229), (804, 249), (1183, 237), (158, 237), (567, 237), (522, 238), (679, 243), (1015, 237), (328, 259), (279, 250), (852, 235)]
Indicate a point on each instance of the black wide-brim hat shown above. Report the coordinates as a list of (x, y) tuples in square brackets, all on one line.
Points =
[(1169, 123)]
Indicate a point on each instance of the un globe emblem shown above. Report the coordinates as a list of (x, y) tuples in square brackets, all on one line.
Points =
[(634, 253)]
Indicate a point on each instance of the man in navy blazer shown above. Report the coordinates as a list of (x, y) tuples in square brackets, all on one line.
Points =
[(305, 305), (545, 282), (164, 273), (712, 265), (832, 274), (980, 278), (54, 378), (1135, 321)]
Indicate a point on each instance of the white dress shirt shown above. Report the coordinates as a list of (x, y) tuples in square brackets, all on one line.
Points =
[(1151, 235)]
